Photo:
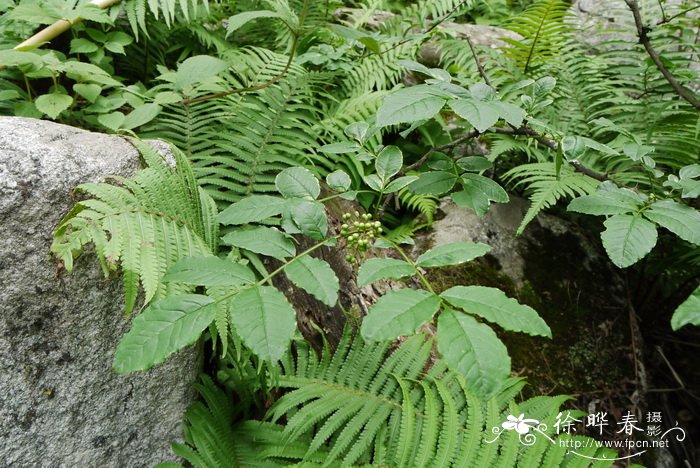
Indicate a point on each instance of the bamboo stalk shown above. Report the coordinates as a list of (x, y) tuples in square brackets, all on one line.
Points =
[(59, 27)]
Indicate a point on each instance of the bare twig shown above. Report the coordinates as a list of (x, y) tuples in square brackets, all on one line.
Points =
[(643, 35), (479, 67)]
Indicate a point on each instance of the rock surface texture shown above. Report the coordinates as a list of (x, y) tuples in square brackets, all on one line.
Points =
[(61, 405)]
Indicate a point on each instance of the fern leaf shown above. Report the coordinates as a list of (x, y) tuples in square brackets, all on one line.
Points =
[(146, 226), (546, 188)]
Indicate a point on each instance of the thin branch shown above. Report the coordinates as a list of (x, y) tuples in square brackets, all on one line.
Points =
[(643, 35), (671, 18), (479, 67)]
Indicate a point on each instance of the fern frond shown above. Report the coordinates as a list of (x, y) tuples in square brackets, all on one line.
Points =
[(543, 30), (546, 188), (426, 205), (147, 224), (377, 72), (369, 404)]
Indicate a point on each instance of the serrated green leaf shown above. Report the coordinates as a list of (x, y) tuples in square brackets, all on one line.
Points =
[(681, 220), (236, 21), (340, 148), (453, 253), (488, 187), (82, 71), (10, 57), (474, 163), (375, 269), (635, 151), (473, 199), (374, 182), (88, 91), (167, 97), (543, 87), (357, 131), (263, 240), (297, 182), (209, 271), (115, 47), (82, 46), (688, 312), (511, 113), (53, 104), (113, 120), (9, 94), (338, 181), (316, 277), (388, 162), (399, 183), (628, 238), (607, 202), (310, 217), (163, 328), (264, 320), (493, 305), (409, 105), (399, 313), (197, 69), (473, 349), (481, 114), (433, 183), (252, 209), (141, 115)]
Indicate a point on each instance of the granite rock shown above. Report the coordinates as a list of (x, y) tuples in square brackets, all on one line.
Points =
[(61, 405)]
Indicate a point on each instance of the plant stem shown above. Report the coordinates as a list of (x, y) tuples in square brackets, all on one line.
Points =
[(643, 34), (305, 252), (408, 260)]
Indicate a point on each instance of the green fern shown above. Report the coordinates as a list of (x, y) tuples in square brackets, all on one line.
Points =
[(237, 145), (368, 404), (171, 11), (544, 32), (426, 205), (545, 188), (214, 437), (145, 224)]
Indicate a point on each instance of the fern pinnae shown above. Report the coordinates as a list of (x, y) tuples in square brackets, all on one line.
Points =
[(313, 412), (332, 424), (511, 445), (546, 188), (347, 437), (449, 434), (369, 432), (407, 426), (487, 453), (338, 361), (427, 427)]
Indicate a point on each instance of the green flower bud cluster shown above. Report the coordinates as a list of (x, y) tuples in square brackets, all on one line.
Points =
[(360, 232)]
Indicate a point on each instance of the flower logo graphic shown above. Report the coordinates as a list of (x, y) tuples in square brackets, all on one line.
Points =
[(519, 424)]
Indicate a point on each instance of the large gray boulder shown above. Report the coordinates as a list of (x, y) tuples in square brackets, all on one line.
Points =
[(60, 403)]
